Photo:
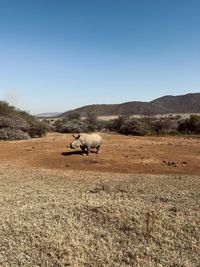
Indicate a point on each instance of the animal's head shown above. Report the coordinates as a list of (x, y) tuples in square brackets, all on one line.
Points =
[(75, 144)]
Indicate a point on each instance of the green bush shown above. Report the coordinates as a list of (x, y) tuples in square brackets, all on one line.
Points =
[(91, 118), (190, 126), (37, 129), (16, 124), (164, 126), (115, 125), (102, 126), (74, 126), (9, 134), (74, 116), (6, 109), (13, 122), (134, 127)]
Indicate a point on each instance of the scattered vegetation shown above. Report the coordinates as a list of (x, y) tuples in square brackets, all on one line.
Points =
[(154, 126), (131, 126), (16, 124)]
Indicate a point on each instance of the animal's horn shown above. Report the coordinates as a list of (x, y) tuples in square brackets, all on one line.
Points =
[(76, 136)]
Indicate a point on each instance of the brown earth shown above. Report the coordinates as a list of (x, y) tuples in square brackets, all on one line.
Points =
[(119, 154)]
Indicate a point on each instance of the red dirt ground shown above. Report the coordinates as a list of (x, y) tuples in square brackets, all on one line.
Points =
[(121, 154)]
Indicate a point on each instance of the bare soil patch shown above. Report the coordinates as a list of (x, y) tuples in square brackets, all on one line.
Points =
[(119, 154)]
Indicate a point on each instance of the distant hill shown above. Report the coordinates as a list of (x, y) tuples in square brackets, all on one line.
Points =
[(48, 115), (189, 103)]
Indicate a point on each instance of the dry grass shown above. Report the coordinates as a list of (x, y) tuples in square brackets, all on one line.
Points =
[(87, 219)]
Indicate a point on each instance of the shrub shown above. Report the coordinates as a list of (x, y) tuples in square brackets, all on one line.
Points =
[(164, 126), (38, 129), (19, 124), (102, 125), (74, 126), (13, 122), (58, 125), (115, 125), (11, 125), (91, 118), (191, 125), (6, 109), (134, 127), (9, 134), (74, 116)]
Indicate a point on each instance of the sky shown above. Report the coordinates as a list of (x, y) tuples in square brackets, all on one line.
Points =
[(57, 55)]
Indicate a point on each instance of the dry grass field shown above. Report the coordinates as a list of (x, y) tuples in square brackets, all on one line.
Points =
[(71, 210)]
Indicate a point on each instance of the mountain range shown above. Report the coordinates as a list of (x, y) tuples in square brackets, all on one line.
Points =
[(189, 103)]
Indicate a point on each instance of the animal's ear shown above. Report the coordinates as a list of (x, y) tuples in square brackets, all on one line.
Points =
[(76, 136)]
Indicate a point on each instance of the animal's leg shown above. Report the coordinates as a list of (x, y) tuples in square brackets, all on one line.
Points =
[(98, 147), (88, 150), (83, 149)]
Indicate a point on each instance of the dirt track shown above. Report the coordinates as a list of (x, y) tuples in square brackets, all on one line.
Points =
[(123, 154)]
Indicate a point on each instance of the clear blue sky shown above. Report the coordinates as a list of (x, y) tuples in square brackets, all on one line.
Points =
[(61, 54)]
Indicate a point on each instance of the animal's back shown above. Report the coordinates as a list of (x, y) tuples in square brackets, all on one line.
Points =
[(93, 139)]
